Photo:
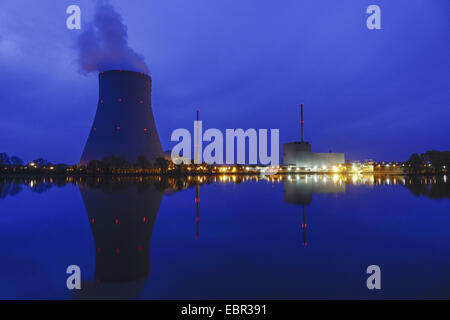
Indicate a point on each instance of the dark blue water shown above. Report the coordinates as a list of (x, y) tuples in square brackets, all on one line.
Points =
[(251, 240)]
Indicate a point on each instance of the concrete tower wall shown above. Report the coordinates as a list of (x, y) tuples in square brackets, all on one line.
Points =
[(124, 123)]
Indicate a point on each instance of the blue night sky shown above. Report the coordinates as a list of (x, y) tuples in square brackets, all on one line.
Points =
[(380, 94)]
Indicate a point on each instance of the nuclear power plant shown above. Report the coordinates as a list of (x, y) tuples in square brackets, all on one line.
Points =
[(299, 155), (124, 125)]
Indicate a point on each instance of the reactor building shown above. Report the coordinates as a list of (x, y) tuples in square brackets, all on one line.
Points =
[(124, 125), (299, 154)]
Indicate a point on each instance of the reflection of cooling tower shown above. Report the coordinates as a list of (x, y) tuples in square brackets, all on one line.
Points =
[(122, 224), (124, 124)]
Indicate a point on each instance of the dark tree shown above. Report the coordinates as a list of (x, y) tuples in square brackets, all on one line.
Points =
[(42, 162), (415, 164), (163, 164), (4, 159), (95, 165), (16, 161), (114, 162), (143, 162)]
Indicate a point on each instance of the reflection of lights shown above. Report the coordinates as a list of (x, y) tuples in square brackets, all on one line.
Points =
[(355, 178), (445, 179)]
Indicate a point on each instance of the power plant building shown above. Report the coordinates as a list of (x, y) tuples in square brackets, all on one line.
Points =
[(124, 125), (299, 154)]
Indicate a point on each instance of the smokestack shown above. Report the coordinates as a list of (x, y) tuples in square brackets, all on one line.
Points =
[(301, 121), (196, 142)]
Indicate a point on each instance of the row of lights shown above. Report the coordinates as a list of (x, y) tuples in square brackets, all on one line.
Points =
[(118, 128), (121, 100), (116, 221)]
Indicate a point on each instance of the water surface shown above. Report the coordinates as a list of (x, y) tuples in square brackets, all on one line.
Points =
[(225, 237)]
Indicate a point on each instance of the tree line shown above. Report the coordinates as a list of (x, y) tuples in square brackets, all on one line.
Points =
[(107, 165), (430, 162)]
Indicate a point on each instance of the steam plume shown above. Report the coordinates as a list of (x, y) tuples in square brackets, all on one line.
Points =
[(104, 44)]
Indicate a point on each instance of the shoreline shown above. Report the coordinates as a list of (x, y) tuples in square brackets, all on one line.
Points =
[(82, 175)]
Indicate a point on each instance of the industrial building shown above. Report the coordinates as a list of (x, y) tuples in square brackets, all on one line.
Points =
[(299, 155), (124, 125)]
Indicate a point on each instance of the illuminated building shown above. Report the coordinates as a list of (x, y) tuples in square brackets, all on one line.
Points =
[(299, 154)]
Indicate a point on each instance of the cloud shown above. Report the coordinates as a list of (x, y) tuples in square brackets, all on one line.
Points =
[(104, 44)]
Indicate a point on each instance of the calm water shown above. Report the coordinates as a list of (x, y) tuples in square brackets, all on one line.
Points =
[(245, 238)]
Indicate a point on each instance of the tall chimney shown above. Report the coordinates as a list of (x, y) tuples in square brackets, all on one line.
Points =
[(301, 121), (196, 142)]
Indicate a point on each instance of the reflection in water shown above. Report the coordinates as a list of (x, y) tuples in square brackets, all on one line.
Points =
[(122, 212), (197, 204), (122, 217), (299, 191), (434, 187)]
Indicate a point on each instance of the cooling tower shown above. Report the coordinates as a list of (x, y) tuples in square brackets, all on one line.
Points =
[(124, 124)]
